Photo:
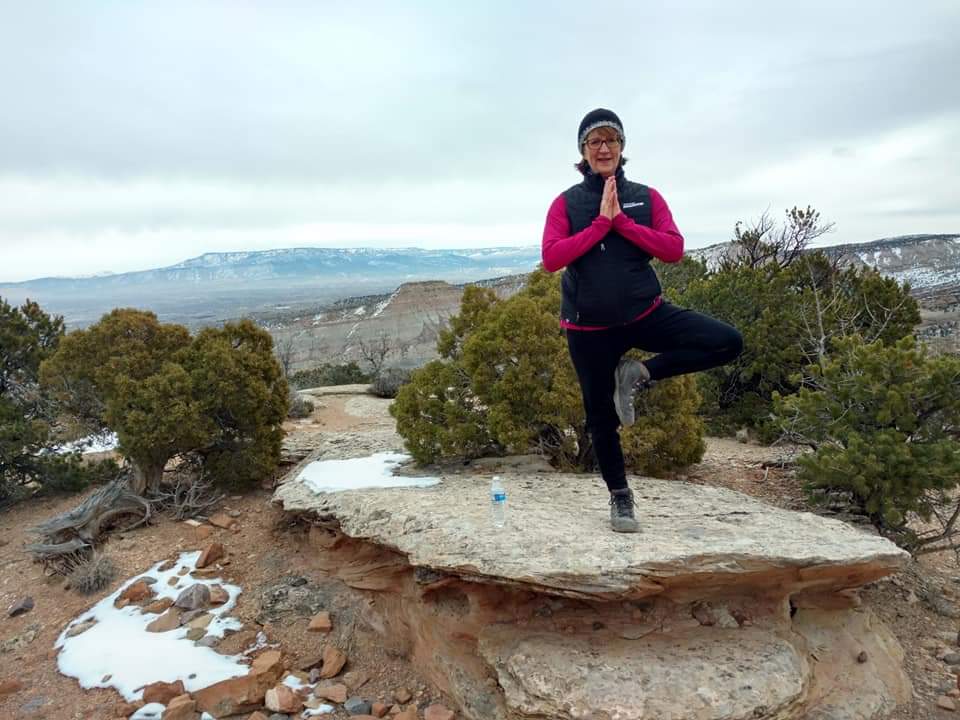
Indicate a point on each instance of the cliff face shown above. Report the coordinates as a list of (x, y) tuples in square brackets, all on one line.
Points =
[(405, 323)]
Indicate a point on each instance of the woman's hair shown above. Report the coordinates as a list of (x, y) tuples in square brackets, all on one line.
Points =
[(607, 133)]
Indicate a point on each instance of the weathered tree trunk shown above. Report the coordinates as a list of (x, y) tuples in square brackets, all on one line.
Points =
[(69, 538), (146, 478)]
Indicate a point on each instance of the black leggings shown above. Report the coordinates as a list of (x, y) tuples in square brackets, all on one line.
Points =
[(686, 341)]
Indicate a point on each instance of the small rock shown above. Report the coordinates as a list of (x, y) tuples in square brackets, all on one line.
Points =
[(157, 606), (195, 634), (234, 513), (283, 699), (321, 623), (409, 714), (743, 435), (212, 553), (335, 693), (21, 606), (221, 520), (297, 581), (203, 532), (194, 597), (168, 565), (314, 676), (402, 695), (81, 627), (379, 709), (209, 641), (170, 620), (183, 571), (106, 678), (437, 712), (356, 679), (952, 658), (357, 706), (182, 707), (929, 644), (333, 661), (192, 523), (204, 572), (862, 656), (162, 692), (200, 622), (946, 703), (10, 686), (173, 581), (948, 636), (133, 594), (218, 596)]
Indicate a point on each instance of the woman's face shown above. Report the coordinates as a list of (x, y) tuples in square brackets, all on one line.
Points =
[(605, 158)]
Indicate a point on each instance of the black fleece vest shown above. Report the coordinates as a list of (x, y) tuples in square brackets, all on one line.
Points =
[(612, 283)]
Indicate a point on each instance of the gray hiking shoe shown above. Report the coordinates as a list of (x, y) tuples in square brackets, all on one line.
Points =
[(621, 511), (629, 375)]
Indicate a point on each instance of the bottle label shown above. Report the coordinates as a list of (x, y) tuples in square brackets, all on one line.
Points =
[(500, 497)]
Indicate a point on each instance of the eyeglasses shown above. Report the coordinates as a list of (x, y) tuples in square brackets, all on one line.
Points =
[(595, 143)]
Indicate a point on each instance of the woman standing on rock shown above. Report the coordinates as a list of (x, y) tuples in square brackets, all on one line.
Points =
[(605, 230)]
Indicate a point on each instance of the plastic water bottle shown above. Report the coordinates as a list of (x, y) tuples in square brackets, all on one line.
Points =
[(498, 503)]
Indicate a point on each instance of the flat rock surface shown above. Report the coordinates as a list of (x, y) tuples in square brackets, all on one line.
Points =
[(708, 674), (558, 535)]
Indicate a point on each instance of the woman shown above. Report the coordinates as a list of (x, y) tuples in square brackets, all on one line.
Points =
[(605, 230)]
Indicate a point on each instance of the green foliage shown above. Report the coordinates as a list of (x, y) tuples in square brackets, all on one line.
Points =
[(790, 304), (327, 374), (506, 385), (27, 417), (885, 424), (220, 395)]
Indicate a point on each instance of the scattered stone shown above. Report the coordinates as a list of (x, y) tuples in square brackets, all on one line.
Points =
[(192, 523), (221, 520), (356, 679), (333, 661), (170, 620), (212, 553), (148, 580), (81, 627), (194, 597), (19, 642), (952, 658), (195, 634), (409, 714), (297, 581), (402, 695), (21, 606), (437, 712), (210, 641), (942, 606), (949, 637), (200, 622), (862, 656), (218, 596), (203, 532), (321, 623), (314, 676), (357, 706), (182, 707), (379, 709), (204, 572), (134, 594), (10, 686), (106, 678), (929, 644), (162, 692), (242, 694), (173, 581), (310, 662), (183, 571), (283, 699), (335, 693), (157, 606), (190, 615), (168, 565), (234, 513), (946, 703)]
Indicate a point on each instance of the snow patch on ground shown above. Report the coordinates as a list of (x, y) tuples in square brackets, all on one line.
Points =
[(90, 444), (373, 471), (118, 651)]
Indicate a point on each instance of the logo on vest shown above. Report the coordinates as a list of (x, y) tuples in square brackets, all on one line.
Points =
[(630, 205)]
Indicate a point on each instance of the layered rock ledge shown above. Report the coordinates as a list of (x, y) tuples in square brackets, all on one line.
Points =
[(722, 607)]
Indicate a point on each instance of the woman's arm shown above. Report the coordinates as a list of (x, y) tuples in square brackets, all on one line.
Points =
[(662, 240), (560, 248)]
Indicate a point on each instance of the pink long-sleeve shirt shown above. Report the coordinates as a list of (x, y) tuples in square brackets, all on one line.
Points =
[(662, 240)]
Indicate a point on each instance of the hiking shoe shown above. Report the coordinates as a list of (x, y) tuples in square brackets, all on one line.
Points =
[(621, 511), (629, 374)]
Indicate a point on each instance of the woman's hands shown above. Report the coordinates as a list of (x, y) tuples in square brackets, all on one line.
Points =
[(610, 203)]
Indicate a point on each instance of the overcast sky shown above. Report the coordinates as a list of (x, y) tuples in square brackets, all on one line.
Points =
[(139, 134)]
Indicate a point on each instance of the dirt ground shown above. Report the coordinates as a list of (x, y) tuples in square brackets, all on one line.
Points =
[(268, 558)]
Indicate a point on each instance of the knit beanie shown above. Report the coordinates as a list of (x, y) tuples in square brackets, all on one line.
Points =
[(596, 119)]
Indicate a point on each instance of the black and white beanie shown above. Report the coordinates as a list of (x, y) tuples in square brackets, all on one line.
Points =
[(596, 119)]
